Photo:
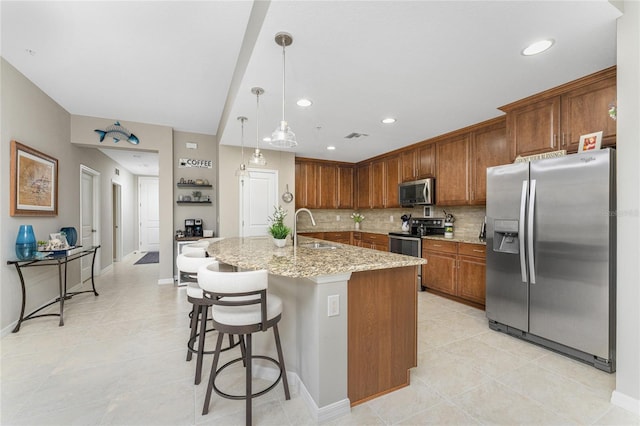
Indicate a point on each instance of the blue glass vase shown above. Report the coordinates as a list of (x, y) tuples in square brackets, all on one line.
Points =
[(71, 234), (26, 245)]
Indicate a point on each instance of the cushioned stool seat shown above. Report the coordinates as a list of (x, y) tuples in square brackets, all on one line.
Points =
[(241, 306)]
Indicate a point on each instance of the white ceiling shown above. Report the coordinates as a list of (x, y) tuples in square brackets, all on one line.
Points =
[(435, 66)]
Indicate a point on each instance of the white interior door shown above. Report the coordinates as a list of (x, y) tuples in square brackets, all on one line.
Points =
[(89, 217), (257, 200), (149, 197), (117, 221)]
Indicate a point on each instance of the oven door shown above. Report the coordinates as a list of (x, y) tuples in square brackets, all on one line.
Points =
[(409, 246)]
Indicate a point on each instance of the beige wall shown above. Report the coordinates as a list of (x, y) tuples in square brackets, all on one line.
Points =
[(152, 138), (627, 393), (207, 150), (32, 118), (228, 187)]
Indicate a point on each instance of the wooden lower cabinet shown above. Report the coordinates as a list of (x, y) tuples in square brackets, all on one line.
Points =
[(374, 241), (455, 269), (354, 238), (343, 237)]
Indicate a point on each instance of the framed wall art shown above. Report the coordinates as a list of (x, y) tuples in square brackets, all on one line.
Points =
[(34, 182), (590, 142)]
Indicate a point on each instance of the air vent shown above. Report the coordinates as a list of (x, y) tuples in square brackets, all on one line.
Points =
[(355, 135)]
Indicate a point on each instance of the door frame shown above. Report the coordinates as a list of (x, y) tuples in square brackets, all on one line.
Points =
[(242, 189), (117, 220), (95, 179)]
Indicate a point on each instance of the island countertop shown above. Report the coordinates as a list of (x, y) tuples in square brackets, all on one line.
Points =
[(260, 253)]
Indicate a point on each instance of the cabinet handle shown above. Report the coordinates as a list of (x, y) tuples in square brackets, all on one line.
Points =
[(563, 141), (555, 140), (437, 245), (478, 251)]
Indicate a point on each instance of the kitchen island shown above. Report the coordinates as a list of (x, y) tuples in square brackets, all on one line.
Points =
[(349, 322)]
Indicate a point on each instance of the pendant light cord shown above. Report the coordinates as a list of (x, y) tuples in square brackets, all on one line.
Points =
[(283, 74), (257, 117)]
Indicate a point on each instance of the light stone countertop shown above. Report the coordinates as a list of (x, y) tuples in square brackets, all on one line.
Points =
[(261, 253)]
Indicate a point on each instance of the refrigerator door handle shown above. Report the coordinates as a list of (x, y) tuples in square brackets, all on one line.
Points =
[(532, 205), (523, 206)]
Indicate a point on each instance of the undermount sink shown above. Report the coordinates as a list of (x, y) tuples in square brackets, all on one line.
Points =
[(318, 246)]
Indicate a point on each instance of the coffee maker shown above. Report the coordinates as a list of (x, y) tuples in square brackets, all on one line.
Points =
[(193, 228)]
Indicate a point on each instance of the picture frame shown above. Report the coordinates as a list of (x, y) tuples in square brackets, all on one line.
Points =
[(590, 142), (34, 182)]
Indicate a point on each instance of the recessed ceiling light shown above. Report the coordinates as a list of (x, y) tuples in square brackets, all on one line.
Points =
[(304, 102), (266, 139), (388, 120), (331, 148), (537, 47)]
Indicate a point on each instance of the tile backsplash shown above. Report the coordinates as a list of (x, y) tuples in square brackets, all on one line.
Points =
[(468, 219)]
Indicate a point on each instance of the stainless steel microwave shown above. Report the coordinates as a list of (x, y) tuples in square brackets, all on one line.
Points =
[(417, 193)]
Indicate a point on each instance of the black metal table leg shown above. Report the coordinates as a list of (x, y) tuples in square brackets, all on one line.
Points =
[(62, 293), (24, 299), (93, 262)]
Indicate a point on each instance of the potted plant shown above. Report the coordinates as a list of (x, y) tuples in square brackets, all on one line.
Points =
[(196, 195), (357, 218), (278, 230)]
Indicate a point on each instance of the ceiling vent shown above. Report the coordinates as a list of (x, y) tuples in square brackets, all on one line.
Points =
[(355, 135)]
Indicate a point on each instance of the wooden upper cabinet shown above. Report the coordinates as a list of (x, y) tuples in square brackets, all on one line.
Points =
[(586, 110), (417, 163), (345, 187), (328, 186), (392, 179), (378, 184), (489, 147), (363, 176), (306, 185), (535, 128), (556, 118), (452, 171)]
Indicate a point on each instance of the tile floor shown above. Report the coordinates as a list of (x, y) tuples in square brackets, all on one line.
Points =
[(120, 360)]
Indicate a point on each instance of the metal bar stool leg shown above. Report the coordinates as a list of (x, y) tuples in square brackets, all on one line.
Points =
[(203, 331), (195, 313), (248, 378), (212, 375), (283, 370)]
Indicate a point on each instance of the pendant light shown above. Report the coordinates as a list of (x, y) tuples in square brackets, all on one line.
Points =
[(257, 158), (283, 137), (242, 171)]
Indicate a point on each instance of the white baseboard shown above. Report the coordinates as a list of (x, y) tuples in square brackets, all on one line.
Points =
[(626, 402), (319, 414), (106, 269), (164, 281)]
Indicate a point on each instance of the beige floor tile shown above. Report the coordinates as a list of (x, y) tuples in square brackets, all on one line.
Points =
[(617, 416), (403, 403), (444, 413), (360, 415), (495, 404)]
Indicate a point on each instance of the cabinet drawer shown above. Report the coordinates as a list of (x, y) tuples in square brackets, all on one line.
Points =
[(375, 238), (467, 249), (439, 245), (338, 237)]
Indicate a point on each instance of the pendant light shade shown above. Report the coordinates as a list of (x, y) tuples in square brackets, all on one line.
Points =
[(257, 157), (282, 136), (242, 170)]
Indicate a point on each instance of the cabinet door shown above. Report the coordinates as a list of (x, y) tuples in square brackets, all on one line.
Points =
[(488, 148), (392, 179), (306, 185), (586, 110), (452, 163), (409, 166), (345, 187), (378, 184), (327, 188), (363, 173), (440, 271), (425, 160), (471, 278), (535, 128)]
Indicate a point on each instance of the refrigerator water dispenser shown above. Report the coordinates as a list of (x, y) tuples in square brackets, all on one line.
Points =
[(505, 236)]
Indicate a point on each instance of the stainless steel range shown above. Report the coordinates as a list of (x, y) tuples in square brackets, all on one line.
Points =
[(410, 243)]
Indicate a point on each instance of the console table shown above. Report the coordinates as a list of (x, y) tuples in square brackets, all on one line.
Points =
[(60, 260)]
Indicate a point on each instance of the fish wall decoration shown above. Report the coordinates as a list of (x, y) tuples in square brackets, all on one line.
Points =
[(117, 132)]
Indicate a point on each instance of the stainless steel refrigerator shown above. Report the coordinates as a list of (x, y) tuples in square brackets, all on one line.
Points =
[(551, 257)]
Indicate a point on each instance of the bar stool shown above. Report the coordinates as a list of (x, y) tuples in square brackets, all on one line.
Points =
[(188, 262), (241, 306)]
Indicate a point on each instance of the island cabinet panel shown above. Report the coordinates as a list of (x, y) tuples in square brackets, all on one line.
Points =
[(489, 147), (382, 331), (345, 187), (455, 269), (452, 171)]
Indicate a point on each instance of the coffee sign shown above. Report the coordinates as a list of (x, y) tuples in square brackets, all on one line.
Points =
[(192, 162)]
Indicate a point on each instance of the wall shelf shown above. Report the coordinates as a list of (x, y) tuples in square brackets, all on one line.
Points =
[(193, 185), (193, 202)]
